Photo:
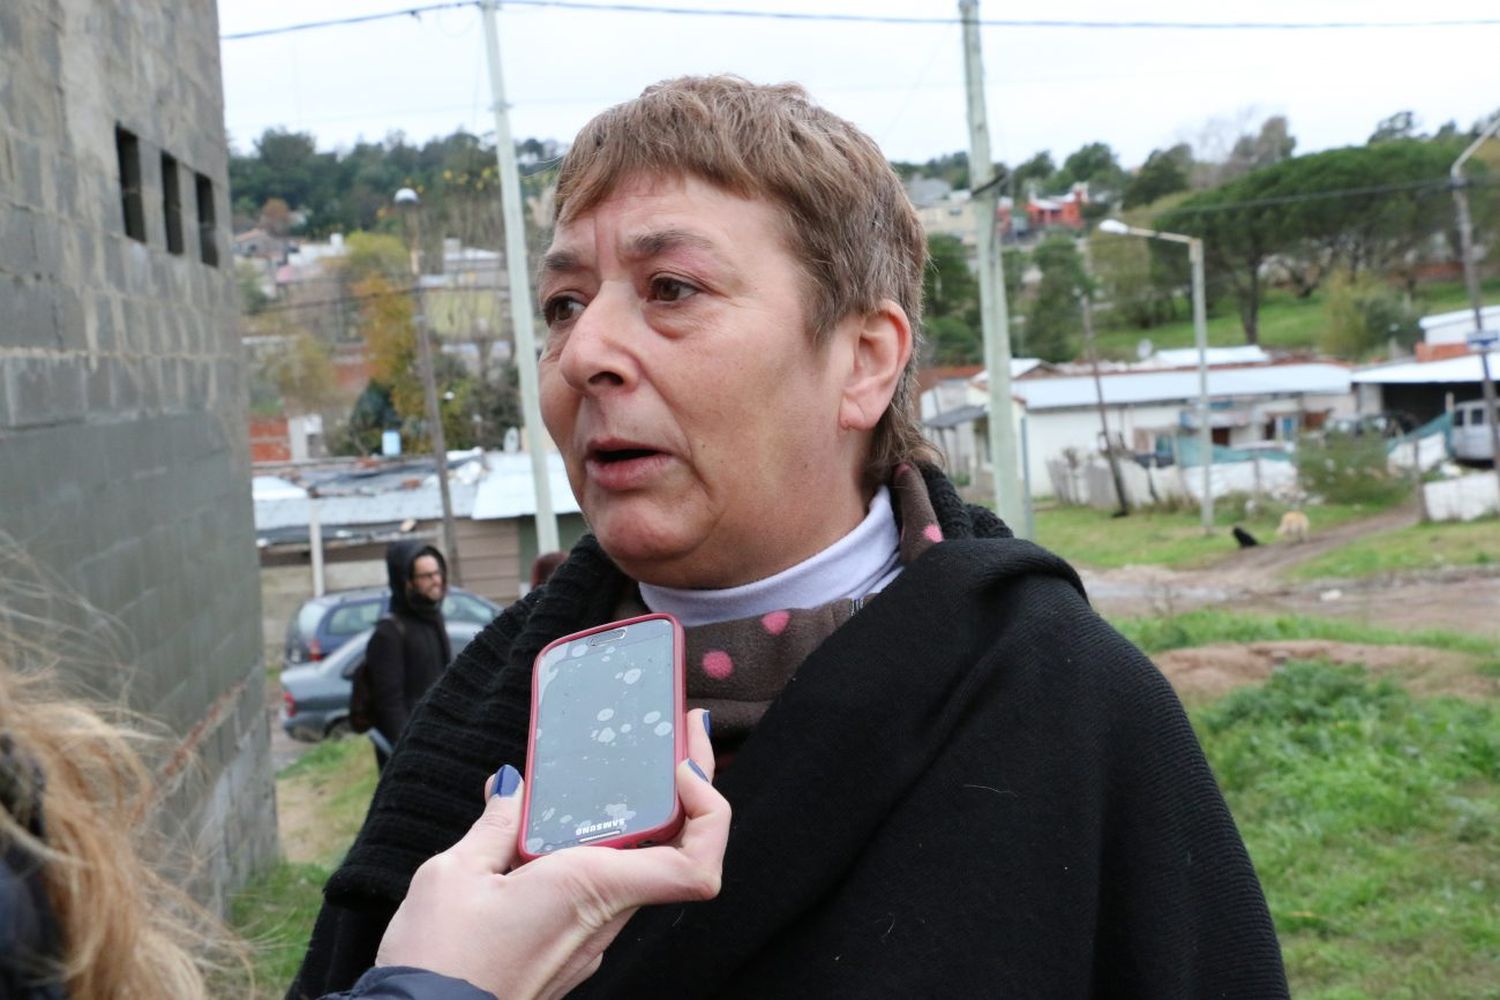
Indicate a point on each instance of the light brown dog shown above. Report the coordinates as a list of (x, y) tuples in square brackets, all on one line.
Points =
[(1294, 526)]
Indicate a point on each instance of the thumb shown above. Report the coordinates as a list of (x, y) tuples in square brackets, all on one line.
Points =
[(490, 843)]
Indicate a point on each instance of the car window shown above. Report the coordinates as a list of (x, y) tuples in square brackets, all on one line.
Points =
[(463, 608), (347, 656), (352, 618), (1476, 417), (1458, 418), (308, 618)]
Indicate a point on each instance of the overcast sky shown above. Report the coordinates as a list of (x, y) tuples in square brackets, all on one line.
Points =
[(1053, 88)]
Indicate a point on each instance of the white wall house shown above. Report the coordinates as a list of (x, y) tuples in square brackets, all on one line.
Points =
[(1148, 410), (1454, 327)]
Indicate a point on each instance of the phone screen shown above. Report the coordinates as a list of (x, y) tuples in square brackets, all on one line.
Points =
[(605, 750)]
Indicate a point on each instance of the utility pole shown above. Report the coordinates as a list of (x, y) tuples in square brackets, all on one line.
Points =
[(520, 289), (1086, 302), (410, 204), (1200, 337), (1482, 340), (1010, 503)]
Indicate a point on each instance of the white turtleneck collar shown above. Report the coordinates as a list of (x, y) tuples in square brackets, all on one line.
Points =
[(861, 563)]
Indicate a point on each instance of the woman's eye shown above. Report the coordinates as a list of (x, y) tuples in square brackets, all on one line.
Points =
[(561, 309), (670, 290)]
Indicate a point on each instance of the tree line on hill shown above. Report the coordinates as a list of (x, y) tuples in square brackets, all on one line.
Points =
[(1361, 223)]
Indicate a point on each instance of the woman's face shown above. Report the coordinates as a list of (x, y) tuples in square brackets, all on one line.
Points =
[(699, 425)]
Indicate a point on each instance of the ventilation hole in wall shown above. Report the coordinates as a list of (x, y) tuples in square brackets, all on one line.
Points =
[(208, 229), (171, 202), (128, 149)]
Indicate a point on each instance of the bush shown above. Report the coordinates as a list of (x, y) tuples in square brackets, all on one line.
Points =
[(1342, 468), (1363, 315)]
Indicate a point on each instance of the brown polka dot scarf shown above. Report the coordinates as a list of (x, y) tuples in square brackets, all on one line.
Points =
[(735, 669)]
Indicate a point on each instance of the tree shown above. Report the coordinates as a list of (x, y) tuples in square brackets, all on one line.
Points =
[(1271, 145), (950, 296), (371, 254), (482, 407), (276, 217), (1401, 125), (950, 167), (1362, 316), (385, 322), (253, 299), (351, 190), (1053, 318), (1362, 208), (1165, 172), (371, 416), (1136, 291), (1094, 164), (1038, 170), (302, 370)]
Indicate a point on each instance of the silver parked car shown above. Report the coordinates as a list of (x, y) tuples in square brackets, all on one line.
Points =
[(315, 696)]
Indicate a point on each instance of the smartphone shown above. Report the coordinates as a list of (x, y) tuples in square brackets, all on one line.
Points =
[(607, 708)]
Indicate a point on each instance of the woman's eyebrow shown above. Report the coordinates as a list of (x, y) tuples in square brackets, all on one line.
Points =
[(661, 241), (559, 262)]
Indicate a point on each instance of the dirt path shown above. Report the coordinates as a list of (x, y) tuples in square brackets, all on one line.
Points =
[(1203, 673), (1272, 557), (1253, 580)]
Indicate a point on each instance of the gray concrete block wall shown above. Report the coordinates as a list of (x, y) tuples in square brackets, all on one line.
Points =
[(124, 459)]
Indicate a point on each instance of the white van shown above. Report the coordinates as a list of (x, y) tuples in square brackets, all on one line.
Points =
[(1471, 434)]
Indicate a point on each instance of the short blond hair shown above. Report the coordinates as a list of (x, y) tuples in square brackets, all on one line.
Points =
[(848, 221)]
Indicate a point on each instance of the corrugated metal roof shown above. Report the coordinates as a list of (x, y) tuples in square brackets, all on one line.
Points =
[(1187, 357), (378, 497), (952, 418), (423, 503), (1465, 368), (274, 488), (1018, 367), (507, 491), (1462, 320), (1175, 386)]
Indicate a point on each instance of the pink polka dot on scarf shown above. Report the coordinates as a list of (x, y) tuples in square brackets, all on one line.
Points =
[(717, 664), (776, 622), (933, 533)]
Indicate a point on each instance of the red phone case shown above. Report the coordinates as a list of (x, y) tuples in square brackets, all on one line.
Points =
[(665, 831)]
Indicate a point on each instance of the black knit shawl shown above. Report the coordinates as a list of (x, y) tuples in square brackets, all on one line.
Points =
[(974, 788)]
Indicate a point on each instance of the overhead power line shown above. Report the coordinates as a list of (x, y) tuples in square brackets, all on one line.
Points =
[(893, 19), (335, 22)]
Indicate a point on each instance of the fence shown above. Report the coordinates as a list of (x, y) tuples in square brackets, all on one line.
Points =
[(1257, 471)]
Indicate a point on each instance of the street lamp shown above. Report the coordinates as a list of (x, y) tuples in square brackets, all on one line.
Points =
[(410, 204), (1481, 339), (1200, 334)]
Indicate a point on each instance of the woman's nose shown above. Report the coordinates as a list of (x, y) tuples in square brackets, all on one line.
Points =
[(595, 357)]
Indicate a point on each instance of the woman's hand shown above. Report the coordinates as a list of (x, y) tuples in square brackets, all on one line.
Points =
[(540, 930)]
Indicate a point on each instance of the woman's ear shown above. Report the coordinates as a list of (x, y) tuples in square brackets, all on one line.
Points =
[(881, 348)]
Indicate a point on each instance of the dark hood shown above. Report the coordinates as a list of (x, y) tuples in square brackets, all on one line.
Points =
[(399, 557)]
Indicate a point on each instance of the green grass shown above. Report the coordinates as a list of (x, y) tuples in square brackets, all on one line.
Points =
[(1374, 821), (1373, 818), (275, 914), (1152, 536), (1286, 322), (1419, 546), (324, 759), (1207, 625)]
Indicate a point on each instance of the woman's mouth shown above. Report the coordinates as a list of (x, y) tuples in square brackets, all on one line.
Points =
[(626, 467)]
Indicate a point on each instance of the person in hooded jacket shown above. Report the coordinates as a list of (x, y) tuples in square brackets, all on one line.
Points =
[(410, 647)]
